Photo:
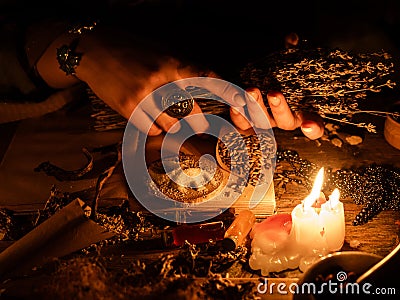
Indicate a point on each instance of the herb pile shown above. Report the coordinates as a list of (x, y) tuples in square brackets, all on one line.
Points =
[(193, 273)]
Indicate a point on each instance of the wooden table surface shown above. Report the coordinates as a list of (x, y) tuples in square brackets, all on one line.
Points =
[(379, 236)]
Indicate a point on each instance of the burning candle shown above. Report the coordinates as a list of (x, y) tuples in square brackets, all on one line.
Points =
[(307, 225), (319, 225)]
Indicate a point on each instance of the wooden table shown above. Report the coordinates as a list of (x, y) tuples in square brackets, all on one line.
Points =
[(378, 236)]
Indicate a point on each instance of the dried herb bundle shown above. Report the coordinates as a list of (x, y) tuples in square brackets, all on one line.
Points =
[(332, 82)]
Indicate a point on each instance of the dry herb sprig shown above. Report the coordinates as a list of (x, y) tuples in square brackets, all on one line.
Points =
[(332, 82)]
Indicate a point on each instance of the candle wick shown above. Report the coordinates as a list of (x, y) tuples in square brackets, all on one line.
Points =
[(305, 208)]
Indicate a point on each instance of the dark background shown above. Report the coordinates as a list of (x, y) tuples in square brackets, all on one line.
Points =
[(227, 34)]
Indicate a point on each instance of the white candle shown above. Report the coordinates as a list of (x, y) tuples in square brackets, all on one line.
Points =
[(319, 228), (307, 226), (332, 216)]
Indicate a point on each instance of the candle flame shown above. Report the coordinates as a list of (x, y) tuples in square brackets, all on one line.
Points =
[(334, 198), (316, 190)]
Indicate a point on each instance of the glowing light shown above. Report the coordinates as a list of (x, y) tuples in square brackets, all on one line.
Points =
[(315, 191)]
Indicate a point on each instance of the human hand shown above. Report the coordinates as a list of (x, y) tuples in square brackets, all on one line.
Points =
[(122, 71), (280, 115)]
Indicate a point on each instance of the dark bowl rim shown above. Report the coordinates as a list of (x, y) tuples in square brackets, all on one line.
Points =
[(332, 256)]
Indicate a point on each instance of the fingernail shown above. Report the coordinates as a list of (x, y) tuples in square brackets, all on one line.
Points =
[(174, 128), (235, 111), (239, 100), (275, 101), (252, 96), (306, 129)]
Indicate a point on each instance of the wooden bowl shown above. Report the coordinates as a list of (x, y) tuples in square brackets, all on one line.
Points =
[(392, 132)]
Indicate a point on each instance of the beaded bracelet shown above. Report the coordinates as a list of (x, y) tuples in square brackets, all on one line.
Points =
[(67, 57)]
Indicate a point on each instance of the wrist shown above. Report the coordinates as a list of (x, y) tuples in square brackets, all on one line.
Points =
[(57, 66), (48, 67), (98, 49)]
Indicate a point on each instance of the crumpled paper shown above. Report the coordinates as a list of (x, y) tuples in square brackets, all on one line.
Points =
[(67, 231)]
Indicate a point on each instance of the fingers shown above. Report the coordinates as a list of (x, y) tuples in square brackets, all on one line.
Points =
[(281, 112), (238, 118), (152, 105), (257, 110), (167, 123), (197, 120), (198, 123), (154, 130), (311, 125), (281, 115), (144, 123), (233, 95)]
